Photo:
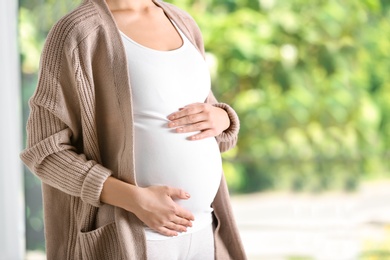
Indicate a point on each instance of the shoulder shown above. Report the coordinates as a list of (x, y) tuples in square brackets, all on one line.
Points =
[(72, 28), (186, 22), (176, 10), (64, 37), (179, 13)]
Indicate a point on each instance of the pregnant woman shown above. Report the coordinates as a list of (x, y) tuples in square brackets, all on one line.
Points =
[(126, 135)]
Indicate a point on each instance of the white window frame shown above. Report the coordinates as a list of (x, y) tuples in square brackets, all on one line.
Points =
[(12, 217)]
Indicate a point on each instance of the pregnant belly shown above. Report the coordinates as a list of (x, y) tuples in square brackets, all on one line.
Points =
[(163, 157)]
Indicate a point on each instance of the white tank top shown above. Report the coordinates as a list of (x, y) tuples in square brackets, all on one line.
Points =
[(161, 83)]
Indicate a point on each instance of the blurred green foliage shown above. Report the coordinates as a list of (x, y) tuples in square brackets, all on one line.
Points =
[(309, 79)]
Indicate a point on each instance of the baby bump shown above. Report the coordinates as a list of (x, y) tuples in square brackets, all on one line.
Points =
[(173, 160)]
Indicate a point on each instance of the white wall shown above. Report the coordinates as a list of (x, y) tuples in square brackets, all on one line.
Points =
[(12, 230)]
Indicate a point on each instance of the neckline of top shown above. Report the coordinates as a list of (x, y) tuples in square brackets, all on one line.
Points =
[(181, 47)]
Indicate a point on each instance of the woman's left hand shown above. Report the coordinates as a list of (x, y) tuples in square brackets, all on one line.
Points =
[(203, 117)]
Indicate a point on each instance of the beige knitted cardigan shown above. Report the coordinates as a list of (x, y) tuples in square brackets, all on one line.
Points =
[(80, 131)]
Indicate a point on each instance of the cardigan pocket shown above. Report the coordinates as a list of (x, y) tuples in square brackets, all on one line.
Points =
[(100, 244)]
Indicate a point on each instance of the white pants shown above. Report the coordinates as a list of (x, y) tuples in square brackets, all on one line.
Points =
[(194, 246)]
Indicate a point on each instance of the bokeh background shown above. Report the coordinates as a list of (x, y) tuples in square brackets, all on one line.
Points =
[(310, 81)]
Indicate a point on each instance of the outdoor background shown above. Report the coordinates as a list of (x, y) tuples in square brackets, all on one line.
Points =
[(311, 84)]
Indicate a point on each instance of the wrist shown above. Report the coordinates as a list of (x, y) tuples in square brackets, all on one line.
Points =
[(120, 194), (234, 123), (226, 121)]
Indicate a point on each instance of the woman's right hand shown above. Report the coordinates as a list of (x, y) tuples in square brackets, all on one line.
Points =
[(155, 206)]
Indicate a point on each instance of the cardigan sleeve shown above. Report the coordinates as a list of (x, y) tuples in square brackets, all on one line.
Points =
[(53, 126), (228, 138)]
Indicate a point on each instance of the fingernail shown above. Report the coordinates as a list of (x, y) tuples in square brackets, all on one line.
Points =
[(180, 129), (171, 117), (188, 195), (171, 124)]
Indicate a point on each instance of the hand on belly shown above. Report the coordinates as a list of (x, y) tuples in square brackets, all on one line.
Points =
[(206, 118), (155, 206)]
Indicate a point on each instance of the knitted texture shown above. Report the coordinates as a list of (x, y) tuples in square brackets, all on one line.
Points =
[(80, 132)]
